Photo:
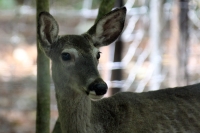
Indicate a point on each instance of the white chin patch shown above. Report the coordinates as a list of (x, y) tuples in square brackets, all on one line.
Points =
[(93, 96)]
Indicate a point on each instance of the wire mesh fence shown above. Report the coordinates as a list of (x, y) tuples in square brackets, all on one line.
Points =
[(150, 57)]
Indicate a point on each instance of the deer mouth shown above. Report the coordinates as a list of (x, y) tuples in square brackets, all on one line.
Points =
[(94, 97)]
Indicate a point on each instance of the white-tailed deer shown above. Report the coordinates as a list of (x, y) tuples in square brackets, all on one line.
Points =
[(74, 70)]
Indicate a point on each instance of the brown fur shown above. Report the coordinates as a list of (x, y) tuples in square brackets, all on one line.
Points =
[(164, 111)]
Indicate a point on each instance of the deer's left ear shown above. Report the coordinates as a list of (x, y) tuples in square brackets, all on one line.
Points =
[(108, 28), (47, 30)]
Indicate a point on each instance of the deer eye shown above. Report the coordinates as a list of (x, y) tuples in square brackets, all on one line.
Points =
[(98, 55), (66, 56)]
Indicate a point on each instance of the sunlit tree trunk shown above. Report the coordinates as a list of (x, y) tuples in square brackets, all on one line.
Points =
[(173, 41), (43, 81), (156, 13)]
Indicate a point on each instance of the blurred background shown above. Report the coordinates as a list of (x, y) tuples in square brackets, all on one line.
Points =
[(159, 48)]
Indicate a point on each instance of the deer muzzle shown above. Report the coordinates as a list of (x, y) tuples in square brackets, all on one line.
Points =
[(99, 87)]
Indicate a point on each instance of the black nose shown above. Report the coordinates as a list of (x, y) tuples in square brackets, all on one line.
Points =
[(99, 88)]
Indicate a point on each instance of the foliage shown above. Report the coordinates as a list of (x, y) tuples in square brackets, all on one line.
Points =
[(7, 4)]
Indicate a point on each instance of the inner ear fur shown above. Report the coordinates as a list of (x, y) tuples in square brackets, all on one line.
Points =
[(47, 30), (108, 28)]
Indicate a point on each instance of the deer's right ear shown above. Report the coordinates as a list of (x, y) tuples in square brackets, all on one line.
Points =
[(47, 30), (108, 28)]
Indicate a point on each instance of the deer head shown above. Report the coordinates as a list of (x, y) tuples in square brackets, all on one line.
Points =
[(75, 57)]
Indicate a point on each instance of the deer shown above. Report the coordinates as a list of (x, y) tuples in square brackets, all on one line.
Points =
[(79, 87)]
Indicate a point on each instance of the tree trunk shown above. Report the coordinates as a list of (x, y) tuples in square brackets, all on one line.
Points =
[(117, 73), (182, 53), (156, 13), (43, 81)]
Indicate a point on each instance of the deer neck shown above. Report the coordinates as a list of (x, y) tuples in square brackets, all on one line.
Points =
[(74, 111)]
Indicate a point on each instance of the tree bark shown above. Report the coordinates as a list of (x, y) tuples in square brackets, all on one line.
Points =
[(117, 73), (183, 48), (43, 81), (155, 32)]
